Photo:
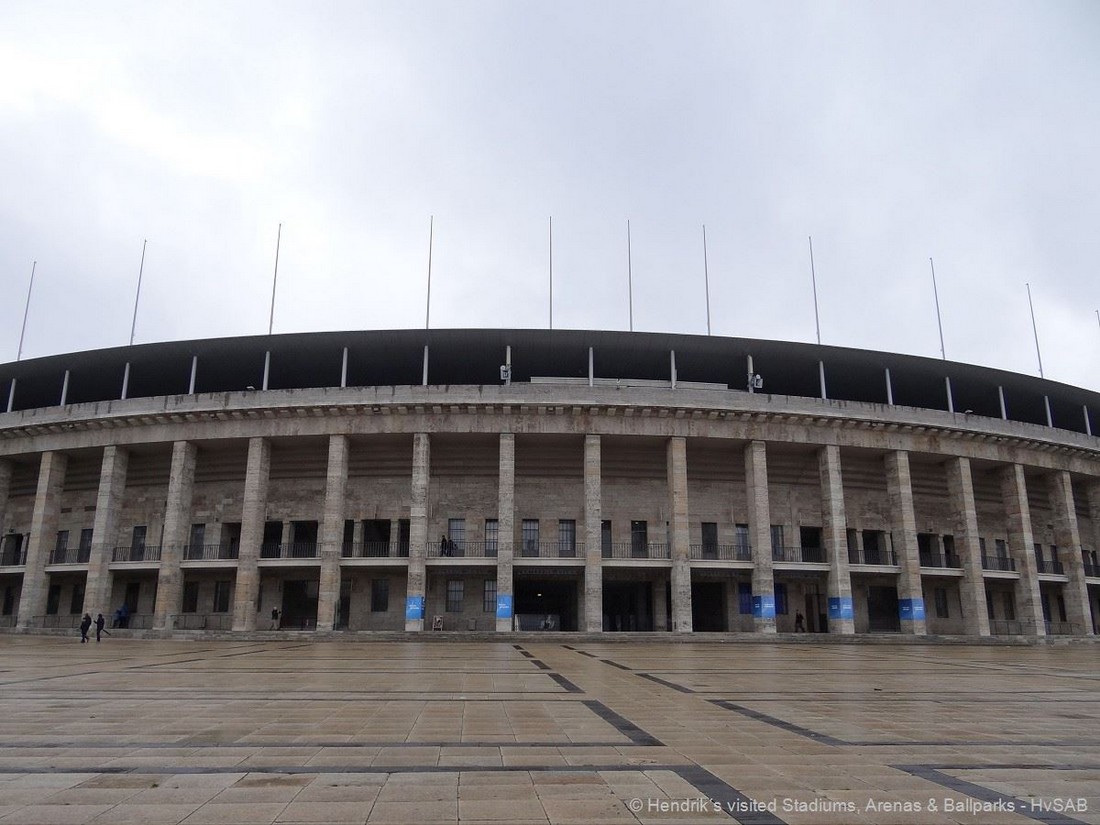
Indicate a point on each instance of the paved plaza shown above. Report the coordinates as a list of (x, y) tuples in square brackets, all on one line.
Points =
[(540, 731)]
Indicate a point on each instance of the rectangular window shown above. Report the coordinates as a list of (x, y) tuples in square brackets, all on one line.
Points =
[(639, 539), (454, 595), (221, 596), (567, 538), (85, 552), (741, 539), (780, 599), (190, 597), (76, 601), (379, 595), (62, 543), (492, 536), (940, 595), (456, 533), (198, 538), (744, 598), (1002, 549), (709, 534), (489, 599), (606, 548), (777, 540), (530, 537)]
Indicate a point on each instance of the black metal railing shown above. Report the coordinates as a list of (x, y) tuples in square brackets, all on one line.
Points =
[(937, 558), (998, 563), (464, 549), (70, 555), (806, 555), (635, 550), (721, 552), (293, 550), (549, 550), (1092, 569), (13, 558), (1063, 629), (211, 552), (1050, 566), (375, 550), (148, 552), (872, 556)]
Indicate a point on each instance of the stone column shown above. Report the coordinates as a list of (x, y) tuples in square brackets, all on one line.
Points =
[(418, 532), (332, 531), (903, 529), (960, 489), (5, 488), (177, 524), (253, 512), (108, 505), (1093, 491), (593, 537), (834, 528), (760, 535), (47, 503), (506, 530), (1021, 545), (679, 535), (660, 602), (1068, 538)]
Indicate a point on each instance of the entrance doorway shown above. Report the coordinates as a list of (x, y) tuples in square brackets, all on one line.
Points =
[(546, 601), (627, 606), (708, 607), (882, 610), (299, 604)]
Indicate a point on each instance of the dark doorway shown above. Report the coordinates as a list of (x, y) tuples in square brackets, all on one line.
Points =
[(299, 604), (542, 598), (627, 606), (376, 538), (404, 530), (343, 609), (708, 607), (882, 610), (273, 539), (817, 616)]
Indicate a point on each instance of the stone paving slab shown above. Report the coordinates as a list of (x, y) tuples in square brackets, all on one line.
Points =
[(545, 730)]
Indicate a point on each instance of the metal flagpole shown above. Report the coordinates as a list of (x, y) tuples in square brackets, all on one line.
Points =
[(706, 275), (813, 277), (275, 280), (936, 294), (26, 311), (431, 236), (137, 297), (629, 276), (1034, 329), (551, 272)]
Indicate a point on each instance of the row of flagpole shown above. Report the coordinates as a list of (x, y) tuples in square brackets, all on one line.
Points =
[(550, 237)]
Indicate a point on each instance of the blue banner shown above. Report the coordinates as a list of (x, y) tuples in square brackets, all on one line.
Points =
[(414, 608), (504, 606), (840, 607), (911, 609), (763, 607)]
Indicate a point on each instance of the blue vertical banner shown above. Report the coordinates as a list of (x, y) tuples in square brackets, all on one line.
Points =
[(504, 605), (840, 607), (414, 608), (763, 607), (911, 609)]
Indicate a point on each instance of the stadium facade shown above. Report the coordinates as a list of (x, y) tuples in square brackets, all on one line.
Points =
[(493, 480)]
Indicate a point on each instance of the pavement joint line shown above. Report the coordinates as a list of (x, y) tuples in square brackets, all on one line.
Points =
[(665, 683)]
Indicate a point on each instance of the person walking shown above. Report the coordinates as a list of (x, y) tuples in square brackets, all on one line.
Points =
[(99, 622), (85, 624)]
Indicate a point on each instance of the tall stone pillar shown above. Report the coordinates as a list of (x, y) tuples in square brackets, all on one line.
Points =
[(332, 531), (1068, 538), (760, 520), (679, 535), (47, 503), (177, 524), (418, 532), (960, 489), (108, 504), (5, 487), (1021, 544), (903, 529), (506, 531), (253, 513), (593, 536), (835, 524)]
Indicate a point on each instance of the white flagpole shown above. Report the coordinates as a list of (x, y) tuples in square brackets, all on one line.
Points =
[(275, 280), (431, 237), (551, 244), (936, 294), (1034, 330), (137, 297), (706, 275), (813, 278), (26, 311), (629, 276)]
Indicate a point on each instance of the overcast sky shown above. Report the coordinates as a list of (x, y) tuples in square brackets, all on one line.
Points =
[(890, 132)]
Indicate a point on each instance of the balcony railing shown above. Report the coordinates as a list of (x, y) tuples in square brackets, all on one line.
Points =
[(806, 555), (211, 552), (1092, 569), (1050, 566), (293, 550), (549, 550), (464, 549), (13, 558), (148, 552), (721, 552), (1063, 629), (937, 558), (998, 563), (204, 621), (872, 556), (635, 550), (70, 555), (376, 550)]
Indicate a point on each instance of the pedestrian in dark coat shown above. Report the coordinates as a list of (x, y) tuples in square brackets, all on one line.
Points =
[(99, 622), (85, 625)]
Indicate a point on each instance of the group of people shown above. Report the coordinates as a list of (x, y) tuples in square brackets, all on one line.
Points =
[(86, 625), (446, 546)]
